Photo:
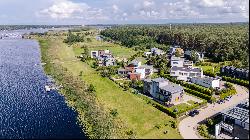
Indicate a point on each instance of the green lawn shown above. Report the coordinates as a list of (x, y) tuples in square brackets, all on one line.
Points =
[(180, 107), (116, 50), (133, 111)]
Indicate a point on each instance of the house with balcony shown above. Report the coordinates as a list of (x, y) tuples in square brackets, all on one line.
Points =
[(163, 90), (185, 73), (180, 62), (235, 121)]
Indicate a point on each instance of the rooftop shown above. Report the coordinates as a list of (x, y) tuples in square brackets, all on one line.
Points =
[(186, 69), (172, 88), (239, 112), (160, 79)]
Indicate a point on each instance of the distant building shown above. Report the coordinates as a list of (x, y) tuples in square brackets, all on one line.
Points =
[(163, 90), (185, 73), (235, 72), (180, 62), (135, 70), (199, 55), (173, 49), (104, 57), (208, 82), (156, 51), (235, 121)]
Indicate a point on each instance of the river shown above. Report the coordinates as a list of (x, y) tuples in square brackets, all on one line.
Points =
[(26, 109)]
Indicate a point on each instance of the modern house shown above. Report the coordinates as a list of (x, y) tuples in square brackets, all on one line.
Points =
[(180, 62), (162, 90), (185, 73), (106, 60), (235, 72), (235, 121), (104, 57), (199, 55), (136, 71), (208, 82)]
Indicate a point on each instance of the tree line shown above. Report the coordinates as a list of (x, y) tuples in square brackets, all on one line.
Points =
[(220, 42)]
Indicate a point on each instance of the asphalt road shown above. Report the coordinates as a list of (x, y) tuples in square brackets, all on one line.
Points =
[(187, 126)]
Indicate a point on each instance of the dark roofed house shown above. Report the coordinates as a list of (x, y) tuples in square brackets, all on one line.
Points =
[(235, 121), (235, 72), (162, 90)]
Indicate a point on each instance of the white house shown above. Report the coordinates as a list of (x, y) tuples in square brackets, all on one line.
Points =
[(142, 71), (177, 61), (180, 62), (206, 81), (185, 73)]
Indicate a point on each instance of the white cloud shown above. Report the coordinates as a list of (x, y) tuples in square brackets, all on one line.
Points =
[(65, 9), (212, 3)]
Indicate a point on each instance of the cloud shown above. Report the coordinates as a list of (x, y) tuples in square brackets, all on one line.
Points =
[(118, 11), (65, 9), (212, 3)]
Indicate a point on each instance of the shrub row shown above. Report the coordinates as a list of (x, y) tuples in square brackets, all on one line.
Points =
[(198, 94), (168, 110), (209, 73), (194, 87), (197, 88), (236, 81)]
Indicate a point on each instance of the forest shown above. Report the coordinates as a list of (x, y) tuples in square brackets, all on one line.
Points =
[(219, 42)]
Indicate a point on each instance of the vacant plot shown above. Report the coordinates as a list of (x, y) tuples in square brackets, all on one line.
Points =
[(139, 116)]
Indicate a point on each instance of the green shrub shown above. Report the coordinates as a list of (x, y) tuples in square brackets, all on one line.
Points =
[(198, 94), (236, 81), (203, 130)]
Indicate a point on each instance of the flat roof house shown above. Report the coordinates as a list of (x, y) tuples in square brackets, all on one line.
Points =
[(235, 121), (208, 82), (180, 62), (235, 72), (163, 91), (185, 73)]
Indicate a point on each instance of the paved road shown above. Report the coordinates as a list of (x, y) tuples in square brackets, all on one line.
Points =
[(187, 125)]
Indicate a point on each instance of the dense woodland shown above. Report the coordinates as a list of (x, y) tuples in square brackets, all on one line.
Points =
[(220, 42)]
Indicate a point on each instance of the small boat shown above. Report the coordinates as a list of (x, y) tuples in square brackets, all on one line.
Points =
[(47, 88)]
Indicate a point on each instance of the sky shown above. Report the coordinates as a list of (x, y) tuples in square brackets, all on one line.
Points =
[(82, 12)]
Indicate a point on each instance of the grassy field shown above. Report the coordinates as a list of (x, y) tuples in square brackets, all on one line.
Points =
[(117, 50), (133, 111)]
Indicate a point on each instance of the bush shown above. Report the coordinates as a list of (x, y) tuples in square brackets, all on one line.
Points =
[(114, 112), (209, 73), (236, 81), (91, 88), (203, 130), (198, 94)]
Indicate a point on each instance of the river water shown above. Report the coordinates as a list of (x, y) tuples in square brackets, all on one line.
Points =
[(26, 109)]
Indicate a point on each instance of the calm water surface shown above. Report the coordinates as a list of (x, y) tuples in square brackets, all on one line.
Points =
[(26, 109)]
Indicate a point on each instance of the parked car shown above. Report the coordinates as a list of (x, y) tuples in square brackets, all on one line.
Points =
[(196, 112), (193, 113)]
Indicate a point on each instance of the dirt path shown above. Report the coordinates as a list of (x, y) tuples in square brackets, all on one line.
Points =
[(187, 126)]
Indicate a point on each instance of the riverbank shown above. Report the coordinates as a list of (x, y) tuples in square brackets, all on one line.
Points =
[(130, 116)]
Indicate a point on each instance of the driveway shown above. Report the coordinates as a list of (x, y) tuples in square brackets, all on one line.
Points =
[(187, 126)]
